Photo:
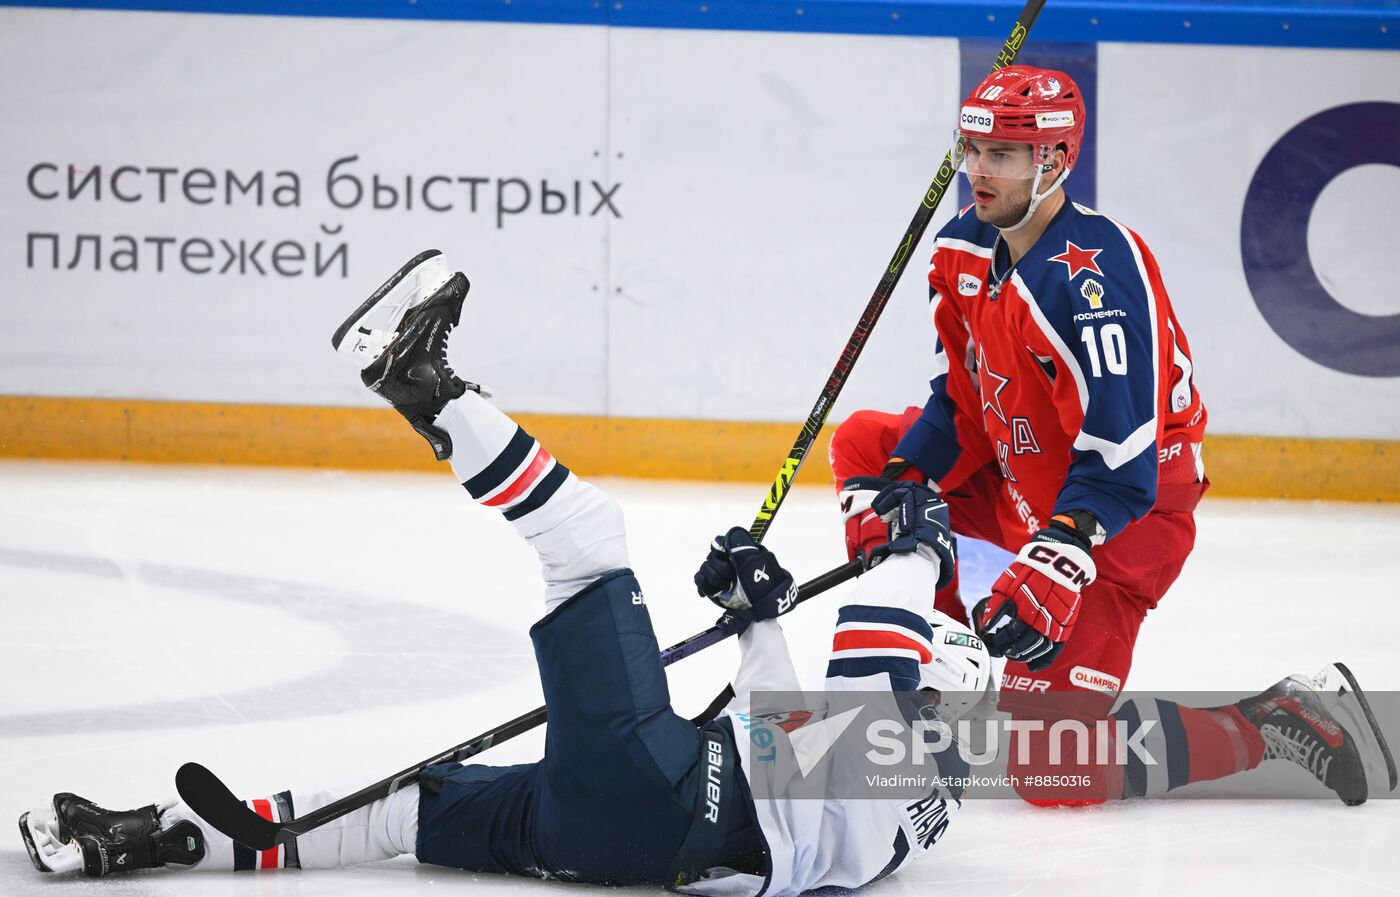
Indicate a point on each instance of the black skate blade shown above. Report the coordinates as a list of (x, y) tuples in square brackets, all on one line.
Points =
[(1371, 720), (219, 807), (378, 294), (29, 845)]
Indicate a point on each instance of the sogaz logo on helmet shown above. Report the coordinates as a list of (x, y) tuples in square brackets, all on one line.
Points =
[(979, 120), (1063, 119)]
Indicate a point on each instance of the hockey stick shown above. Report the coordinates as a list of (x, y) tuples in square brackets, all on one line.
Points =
[(217, 805), (883, 290), (868, 318), (213, 801)]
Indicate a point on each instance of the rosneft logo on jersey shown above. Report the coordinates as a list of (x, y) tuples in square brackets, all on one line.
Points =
[(1092, 290)]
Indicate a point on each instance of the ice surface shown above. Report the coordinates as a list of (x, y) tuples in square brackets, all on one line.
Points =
[(314, 627)]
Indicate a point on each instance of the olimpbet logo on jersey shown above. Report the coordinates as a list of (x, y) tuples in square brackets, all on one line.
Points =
[(1085, 742)]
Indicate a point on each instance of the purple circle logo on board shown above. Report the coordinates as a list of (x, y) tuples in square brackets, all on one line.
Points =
[(1274, 237)]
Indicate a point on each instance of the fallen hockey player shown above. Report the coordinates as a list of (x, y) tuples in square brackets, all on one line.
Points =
[(621, 795)]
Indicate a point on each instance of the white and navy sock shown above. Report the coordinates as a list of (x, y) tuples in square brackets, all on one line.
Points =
[(521, 478), (277, 808), (382, 830), (576, 530), (501, 465)]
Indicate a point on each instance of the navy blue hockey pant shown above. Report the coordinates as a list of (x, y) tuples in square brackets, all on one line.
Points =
[(614, 796)]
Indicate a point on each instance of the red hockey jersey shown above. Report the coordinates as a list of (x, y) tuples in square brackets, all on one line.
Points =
[(1070, 378)]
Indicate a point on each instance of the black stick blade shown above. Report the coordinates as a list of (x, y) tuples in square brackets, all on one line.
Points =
[(219, 807), (1372, 722)]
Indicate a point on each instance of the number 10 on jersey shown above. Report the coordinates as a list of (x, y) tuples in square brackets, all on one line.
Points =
[(1115, 349)]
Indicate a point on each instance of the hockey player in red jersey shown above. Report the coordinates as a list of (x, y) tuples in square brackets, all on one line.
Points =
[(1064, 425)]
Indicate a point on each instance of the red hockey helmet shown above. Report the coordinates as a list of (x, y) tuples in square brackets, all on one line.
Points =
[(1024, 104)]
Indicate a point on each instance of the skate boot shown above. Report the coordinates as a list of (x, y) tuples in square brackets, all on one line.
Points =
[(76, 834), (1324, 724), (398, 336)]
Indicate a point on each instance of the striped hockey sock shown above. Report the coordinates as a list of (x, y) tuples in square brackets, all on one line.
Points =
[(521, 478), (1189, 743), (382, 830), (576, 530), (277, 808), (501, 465), (223, 853)]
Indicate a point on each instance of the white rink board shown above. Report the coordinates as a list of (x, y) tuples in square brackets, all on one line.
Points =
[(764, 181), (771, 176), (1189, 126), (743, 196), (268, 94)]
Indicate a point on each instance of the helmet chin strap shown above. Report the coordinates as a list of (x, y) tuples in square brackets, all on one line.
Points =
[(1037, 197)]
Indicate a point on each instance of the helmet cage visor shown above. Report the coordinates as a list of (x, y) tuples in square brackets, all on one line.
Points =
[(983, 157)]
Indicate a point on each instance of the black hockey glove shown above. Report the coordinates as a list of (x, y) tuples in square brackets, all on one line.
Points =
[(745, 579), (917, 516)]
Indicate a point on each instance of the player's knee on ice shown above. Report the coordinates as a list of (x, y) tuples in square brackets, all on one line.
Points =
[(861, 444)]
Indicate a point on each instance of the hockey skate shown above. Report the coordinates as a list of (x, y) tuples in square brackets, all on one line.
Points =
[(1323, 724), (398, 337), (76, 834)]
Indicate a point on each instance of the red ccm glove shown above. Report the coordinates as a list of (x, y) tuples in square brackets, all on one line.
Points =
[(1035, 601)]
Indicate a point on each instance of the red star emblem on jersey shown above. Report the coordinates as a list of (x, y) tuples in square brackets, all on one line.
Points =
[(1076, 259), (984, 377)]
